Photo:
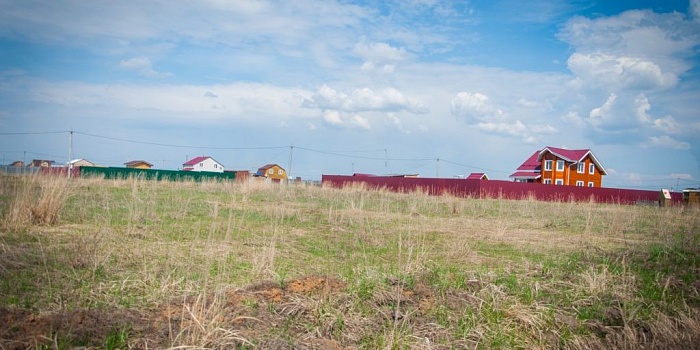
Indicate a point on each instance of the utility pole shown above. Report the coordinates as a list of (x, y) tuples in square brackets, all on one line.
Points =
[(437, 168), (291, 158), (70, 153)]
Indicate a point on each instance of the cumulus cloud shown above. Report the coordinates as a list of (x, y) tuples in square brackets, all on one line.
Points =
[(666, 141), (695, 10), (362, 100), (572, 117), (379, 53), (600, 115), (143, 66), (619, 71), (379, 57), (339, 119), (471, 107), (667, 124)]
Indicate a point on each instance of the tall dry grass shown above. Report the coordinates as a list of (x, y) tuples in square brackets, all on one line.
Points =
[(36, 200)]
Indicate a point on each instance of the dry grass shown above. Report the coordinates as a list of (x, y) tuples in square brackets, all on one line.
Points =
[(221, 265)]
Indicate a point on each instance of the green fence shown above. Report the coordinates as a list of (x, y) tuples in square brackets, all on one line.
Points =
[(152, 174)]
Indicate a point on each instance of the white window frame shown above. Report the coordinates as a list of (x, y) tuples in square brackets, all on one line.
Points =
[(547, 181), (270, 171), (279, 172), (559, 182), (581, 169), (579, 183), (548, 165), (560, 165), (591, 184), (591, 169)]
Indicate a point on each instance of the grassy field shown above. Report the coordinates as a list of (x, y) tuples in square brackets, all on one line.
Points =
[(95, 264)]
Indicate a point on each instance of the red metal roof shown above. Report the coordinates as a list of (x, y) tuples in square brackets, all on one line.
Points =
[(532, 163), (477, 176), (196, 160), (525, 175), (572, 155)]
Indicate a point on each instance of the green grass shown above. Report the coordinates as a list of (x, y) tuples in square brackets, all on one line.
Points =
[(215, 265)]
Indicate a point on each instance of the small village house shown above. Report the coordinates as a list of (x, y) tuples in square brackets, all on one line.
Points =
[(272, 172), (17, 163), (138, 164), (559, 166), (80, 162), (477, 176), (41, 163), (203, 163)]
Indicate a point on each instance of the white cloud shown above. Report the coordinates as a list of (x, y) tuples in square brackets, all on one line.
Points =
[(338, 119), (365, 99), (666, 141), (378, 52), (241, 101), (526, 103), (544, 129), (668, 125), (572, 117), (474, 107), (143, 66), (598, 115), (643, 108), (619, 71), (694, 9)]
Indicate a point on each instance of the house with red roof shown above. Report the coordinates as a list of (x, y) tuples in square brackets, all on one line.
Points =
[(477, 176), (559, 166), (203, 163)]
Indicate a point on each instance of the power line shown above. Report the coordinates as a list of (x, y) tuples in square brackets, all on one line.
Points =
[(33, 133)]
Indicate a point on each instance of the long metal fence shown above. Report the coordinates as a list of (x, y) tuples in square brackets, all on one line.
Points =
[(153, 174), (502, 189)]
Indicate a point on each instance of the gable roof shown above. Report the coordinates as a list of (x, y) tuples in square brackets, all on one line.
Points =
[(531, 164), (197, 160), (268, 166), (477, 176), (573, 156), (134, 162)]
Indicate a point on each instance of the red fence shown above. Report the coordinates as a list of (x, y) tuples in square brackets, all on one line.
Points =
[(502, 189)]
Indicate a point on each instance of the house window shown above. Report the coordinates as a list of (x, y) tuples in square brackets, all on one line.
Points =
[(560, 165), (216, 166), (279, 172), (581, 168), (547, 181), (579, 183), (590, 184), (548, 165), (559, 181), (270, 171), (591, 169), (201, 165)]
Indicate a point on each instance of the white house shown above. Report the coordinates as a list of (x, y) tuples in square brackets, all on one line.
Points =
[(203, 163)]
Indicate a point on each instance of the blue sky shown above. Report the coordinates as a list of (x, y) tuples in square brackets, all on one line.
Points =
[(433, 87)]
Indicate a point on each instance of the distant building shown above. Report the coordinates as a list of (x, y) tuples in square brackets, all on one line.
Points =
[(17, 163), (138, 164), (80, 162), (273, 172), (477, 176), (558, 166), (203, 163), (41, 163)]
